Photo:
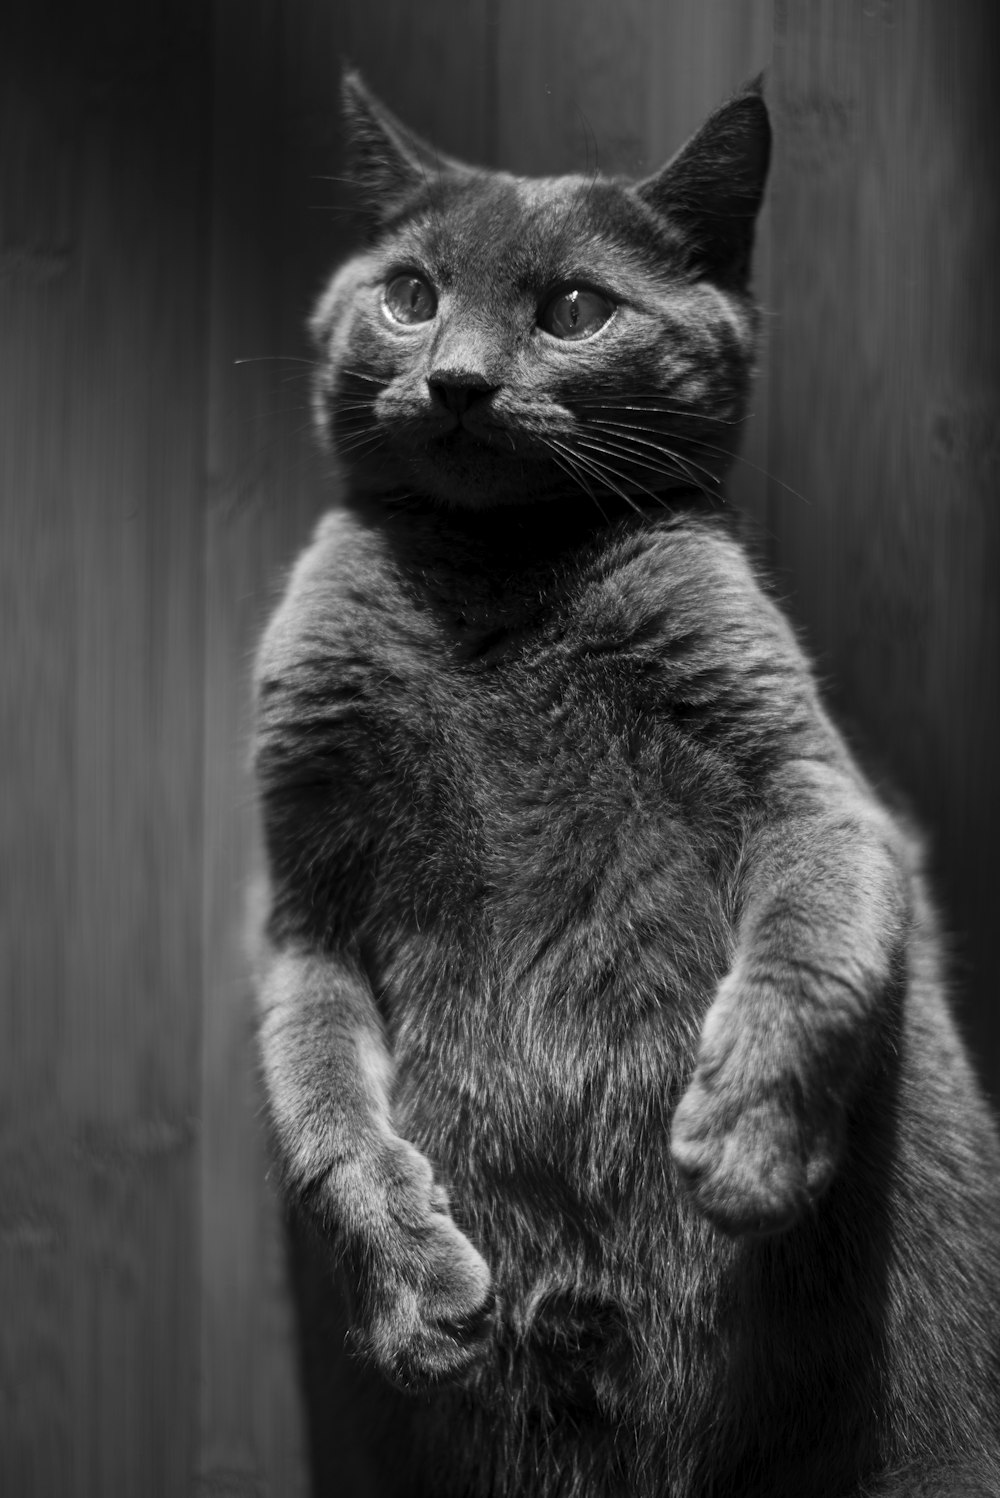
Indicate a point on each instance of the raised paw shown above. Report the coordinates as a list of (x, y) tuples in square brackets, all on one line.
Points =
[(753, 1146), (426, 1297)]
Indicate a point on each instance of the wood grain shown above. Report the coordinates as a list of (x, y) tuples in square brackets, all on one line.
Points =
[(103, 405), (885, 411), (251, 1439)]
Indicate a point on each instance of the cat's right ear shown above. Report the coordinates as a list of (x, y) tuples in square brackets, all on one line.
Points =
[(712, 188), (389, 164)]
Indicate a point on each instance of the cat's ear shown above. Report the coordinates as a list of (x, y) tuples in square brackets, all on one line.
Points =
[(712, 188), (389, 163)]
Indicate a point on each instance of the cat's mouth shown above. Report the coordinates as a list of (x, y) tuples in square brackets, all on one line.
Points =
[(474, 432), (462, 436)]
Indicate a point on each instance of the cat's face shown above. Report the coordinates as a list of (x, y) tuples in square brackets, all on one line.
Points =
[(505, 339)]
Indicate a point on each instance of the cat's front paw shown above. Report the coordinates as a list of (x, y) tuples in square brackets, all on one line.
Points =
[(426, 1297), (754, 1146)]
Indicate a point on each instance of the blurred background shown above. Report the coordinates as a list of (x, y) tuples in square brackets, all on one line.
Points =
[(170, 206)]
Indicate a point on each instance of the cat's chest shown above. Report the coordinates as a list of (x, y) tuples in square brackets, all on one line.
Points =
[(518, 743), (545, 851)]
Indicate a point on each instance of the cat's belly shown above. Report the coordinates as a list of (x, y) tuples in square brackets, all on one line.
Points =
[(543, 995), (551, 904), (543, 1093), (549, 867)]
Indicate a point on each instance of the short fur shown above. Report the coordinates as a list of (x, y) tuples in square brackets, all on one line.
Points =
[(603, 1019)]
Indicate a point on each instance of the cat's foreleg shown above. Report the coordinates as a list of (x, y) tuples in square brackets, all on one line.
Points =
[(423, 1291), (759, 1132)]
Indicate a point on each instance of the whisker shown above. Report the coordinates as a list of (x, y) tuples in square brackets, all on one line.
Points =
[(357, 443), (764, 472), (291, 379), (576, 475), (618, 447), (680, 470), (623, 432), (626, 443), (278, 358), (608, 476), (360, 374), (613, 403), (736, 457)]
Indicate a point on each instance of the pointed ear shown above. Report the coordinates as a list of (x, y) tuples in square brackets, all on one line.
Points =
[(712, 188), (388, 162)]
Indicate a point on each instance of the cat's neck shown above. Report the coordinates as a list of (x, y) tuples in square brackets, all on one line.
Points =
[(490, 574), (510, 534)]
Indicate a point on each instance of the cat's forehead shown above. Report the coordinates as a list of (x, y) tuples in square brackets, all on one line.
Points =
[(527, 230)]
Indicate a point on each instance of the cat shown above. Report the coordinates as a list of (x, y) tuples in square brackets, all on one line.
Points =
[(602, 1014)]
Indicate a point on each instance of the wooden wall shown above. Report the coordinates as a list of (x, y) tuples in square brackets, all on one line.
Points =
[(164, 215), (885, 415)]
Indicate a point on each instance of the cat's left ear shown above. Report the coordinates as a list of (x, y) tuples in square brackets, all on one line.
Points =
[(712, 188), (389, 163)]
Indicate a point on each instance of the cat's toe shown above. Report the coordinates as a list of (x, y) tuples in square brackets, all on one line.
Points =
[(751, 1169), (432, 1318)]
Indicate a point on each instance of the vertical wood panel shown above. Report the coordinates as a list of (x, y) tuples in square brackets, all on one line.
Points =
[(571, 86), (251, 1440), (887, 407), (37, 600), (103, 406)]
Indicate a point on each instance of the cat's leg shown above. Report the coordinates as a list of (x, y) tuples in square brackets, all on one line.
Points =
[(423, 1291), (759, 1132)]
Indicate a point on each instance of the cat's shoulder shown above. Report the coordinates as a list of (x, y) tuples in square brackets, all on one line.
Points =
[(336, 578), (684, 566), (346, 551)]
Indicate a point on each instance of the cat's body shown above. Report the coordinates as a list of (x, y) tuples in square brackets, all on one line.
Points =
[(560, 834)]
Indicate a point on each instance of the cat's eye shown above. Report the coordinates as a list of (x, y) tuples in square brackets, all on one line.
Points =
[(409, 299), (576, 313)]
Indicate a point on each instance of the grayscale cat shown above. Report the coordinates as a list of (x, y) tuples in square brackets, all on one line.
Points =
[(602, 1014)]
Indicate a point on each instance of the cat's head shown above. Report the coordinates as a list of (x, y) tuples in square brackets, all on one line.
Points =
[(502, 339)]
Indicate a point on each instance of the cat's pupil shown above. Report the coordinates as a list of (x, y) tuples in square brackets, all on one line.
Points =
[(575, 314), (409, 299)]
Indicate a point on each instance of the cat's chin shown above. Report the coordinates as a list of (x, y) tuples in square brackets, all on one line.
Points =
[(462, 471)]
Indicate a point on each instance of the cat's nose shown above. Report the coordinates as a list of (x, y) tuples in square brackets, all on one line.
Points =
[(458, 389)]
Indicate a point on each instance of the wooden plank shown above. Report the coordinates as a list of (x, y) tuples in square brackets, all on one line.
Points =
[(103, 359), (571, 86), (251, 1439), (36, 599), (886, 408)]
